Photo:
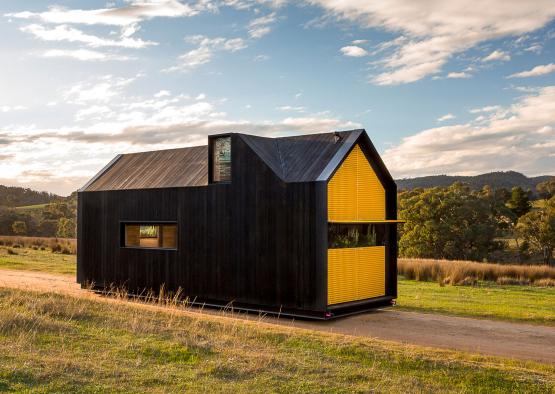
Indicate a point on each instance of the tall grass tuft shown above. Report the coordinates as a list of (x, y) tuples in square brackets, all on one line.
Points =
[(56, 245), (458, 272)]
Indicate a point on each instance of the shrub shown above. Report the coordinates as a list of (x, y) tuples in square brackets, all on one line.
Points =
[(55, 247), (547, 282), (506, 280), (40, 242), (455, 272), (11, 251)]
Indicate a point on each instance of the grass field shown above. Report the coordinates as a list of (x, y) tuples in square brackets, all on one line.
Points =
[(37, 260), (486, 300), (54, 343), (30, 207)]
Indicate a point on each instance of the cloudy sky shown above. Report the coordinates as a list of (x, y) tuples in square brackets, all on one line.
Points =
[(440, 86)]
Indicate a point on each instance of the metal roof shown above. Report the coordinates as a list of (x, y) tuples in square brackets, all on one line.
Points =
[(301, 158)]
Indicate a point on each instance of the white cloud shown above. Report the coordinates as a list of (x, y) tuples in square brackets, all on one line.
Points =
[(446, 117), (518, 137), (92, 112), (136, 11), (535, 48), (459, 75), (536, 71), (97, 90), (435, 30), (289, 108), (162, 93), (488, 108), (261, 58), (354, 51), (8, 108), (261, 26), (497, 55), (70, 34), (359, 42), (207, 47), (126, 124), (83, 55)]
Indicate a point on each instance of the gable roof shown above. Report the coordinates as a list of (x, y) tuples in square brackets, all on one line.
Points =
[(155, 169), (301, 158)]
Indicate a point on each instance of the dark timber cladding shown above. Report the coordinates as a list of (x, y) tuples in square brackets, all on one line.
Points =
[(259, 240)]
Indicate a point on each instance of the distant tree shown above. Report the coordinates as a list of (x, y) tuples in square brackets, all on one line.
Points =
[(519, 203), (546, 189), (537, 228), (502, 194), (48, 228), (66, 228), (19, 227), (450, 223)]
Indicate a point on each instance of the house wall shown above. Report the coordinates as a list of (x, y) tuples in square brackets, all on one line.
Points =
[(256, 240)]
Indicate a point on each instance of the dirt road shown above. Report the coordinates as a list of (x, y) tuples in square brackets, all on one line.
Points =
[(488, 337)]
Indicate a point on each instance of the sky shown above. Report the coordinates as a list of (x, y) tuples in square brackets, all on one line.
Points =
[(441, 87)]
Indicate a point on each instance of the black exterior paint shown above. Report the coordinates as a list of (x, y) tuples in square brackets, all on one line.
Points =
[(258, 242)]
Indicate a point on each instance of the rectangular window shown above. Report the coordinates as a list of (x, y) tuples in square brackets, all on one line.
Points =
[(355, 235), (221, 159), (147, 235)]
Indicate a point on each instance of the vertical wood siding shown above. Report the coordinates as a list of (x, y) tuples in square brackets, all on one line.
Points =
[(256, 240)]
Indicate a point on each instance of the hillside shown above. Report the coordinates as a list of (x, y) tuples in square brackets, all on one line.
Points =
[(13, 196), (499, 179)]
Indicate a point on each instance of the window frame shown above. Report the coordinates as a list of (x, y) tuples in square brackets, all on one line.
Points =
[(123, 223), (211, 140)]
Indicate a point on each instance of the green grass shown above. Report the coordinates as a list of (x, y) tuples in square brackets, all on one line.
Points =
[(487, 300), (31, 207), (37, 260), (55, 343), (518, 303)]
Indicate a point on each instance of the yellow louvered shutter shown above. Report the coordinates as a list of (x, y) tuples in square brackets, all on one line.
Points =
[(355, 193), (355, 274)]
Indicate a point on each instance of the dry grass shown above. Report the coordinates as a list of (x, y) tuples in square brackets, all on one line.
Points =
[(56, 245), (54, 343), (456, 272)]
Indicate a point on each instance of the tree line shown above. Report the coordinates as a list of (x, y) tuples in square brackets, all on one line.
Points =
[(457, 222), (57, 219), (13, 196)]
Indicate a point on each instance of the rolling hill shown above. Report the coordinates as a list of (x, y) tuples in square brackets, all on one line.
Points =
[(499, 179), (13, 196)]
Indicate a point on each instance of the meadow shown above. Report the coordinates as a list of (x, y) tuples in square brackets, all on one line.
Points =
[(59, 343), (56, 343), (482, 298)]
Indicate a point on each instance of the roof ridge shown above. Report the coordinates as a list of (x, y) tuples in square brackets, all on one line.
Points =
[(281, 164)]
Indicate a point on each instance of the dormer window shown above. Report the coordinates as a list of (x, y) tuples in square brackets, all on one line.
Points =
[(221, 159)]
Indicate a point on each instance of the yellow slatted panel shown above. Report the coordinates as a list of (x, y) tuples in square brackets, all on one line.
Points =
[(355, 192), (355, 274), (370, 192), (341, 189), (342, 275)]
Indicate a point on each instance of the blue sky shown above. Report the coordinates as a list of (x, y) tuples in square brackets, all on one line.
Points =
[(441, 87)]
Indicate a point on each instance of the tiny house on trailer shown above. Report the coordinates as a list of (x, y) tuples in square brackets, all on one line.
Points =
[(302, 225)]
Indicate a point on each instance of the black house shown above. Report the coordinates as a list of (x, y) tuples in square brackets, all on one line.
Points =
[(302, 225)]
